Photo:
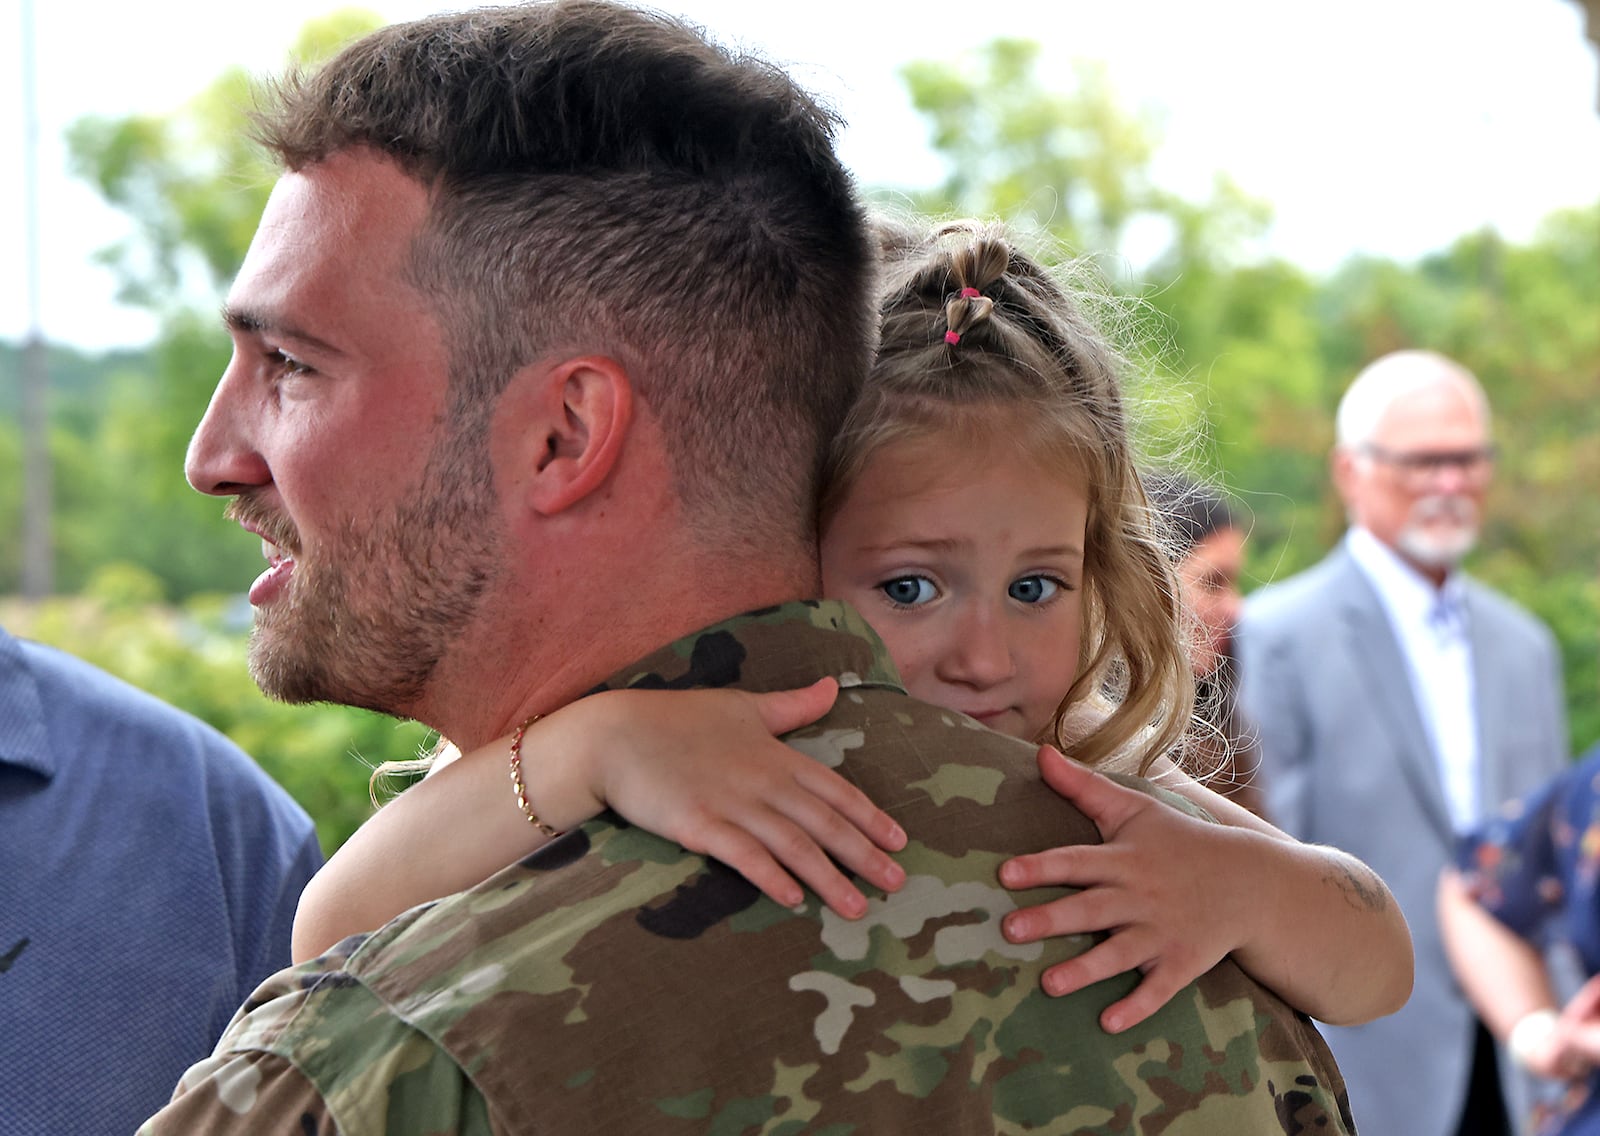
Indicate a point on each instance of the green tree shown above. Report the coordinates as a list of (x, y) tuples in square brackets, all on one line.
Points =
[(193, 182), (1225, 338), (1075, 163)]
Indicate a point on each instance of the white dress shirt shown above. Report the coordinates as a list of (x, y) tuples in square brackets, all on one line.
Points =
[(1431, 625)]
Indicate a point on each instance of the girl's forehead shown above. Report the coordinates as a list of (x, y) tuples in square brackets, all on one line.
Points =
[(955, 456), (940, 486), (975, 515), (922, 462)]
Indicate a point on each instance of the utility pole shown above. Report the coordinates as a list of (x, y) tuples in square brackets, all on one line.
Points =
[(38, 568)]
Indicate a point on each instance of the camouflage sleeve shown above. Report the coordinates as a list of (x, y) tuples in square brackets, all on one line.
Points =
[(396, 1084), (244, 1093), (314, 1053)]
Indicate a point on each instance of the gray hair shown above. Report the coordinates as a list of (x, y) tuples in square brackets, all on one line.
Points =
[(1385, 381)]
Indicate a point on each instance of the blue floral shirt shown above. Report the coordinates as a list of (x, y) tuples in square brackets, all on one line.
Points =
[(1535, 866)]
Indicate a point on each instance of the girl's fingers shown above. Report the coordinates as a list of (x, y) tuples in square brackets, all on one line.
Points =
[(1165, 971), (785, 710), (776, 816), (1118, 953), (837, 835), (852, 804), (795, 849), (749, 857), (1099, 798), (772, 851), (1158, 987), (1084, 912), (804, 835), (1073, 865)]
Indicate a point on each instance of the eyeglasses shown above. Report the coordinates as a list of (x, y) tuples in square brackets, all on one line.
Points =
[(1420, 468)]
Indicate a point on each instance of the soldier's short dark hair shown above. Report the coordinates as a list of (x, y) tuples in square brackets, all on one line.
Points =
[(608, 179)]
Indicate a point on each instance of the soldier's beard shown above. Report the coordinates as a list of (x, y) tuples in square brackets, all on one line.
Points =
[(1439, 531), (368, 615)]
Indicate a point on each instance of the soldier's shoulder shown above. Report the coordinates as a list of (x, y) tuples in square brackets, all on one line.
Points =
[(317, 1050)]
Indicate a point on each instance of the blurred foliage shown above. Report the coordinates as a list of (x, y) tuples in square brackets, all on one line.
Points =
[(193, 656), (1240, 360), (193, 183), (1074, 161)]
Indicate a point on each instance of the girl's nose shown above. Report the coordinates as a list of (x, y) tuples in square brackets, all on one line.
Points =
[(979, 653)]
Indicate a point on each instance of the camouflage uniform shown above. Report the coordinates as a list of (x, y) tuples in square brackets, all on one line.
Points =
[(614, 983)]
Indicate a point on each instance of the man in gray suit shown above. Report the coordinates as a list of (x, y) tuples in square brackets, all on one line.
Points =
[(1398, 702)]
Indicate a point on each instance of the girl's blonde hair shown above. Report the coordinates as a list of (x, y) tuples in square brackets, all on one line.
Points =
[(979, 339)]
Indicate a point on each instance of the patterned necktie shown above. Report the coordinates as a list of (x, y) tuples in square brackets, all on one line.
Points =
[(1447, 618)]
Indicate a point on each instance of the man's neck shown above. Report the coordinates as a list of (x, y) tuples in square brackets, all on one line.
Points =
[(1384, 562), (508, 669), (1429, 572)]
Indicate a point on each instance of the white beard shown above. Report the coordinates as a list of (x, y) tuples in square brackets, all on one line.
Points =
[(1440, 531)]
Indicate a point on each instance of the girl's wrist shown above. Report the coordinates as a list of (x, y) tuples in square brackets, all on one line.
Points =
[(542, 775), (1258, 890), (518, 788)]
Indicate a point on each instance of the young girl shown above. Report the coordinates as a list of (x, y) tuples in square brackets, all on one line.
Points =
[(983, 513)]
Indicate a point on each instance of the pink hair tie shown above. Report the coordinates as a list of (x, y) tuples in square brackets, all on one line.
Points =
[(952, 337), (970, 293)]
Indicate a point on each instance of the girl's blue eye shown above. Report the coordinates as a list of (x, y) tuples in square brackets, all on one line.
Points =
[(1033, 589), (908, 591)]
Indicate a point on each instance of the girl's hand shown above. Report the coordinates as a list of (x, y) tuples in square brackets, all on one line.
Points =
[(700, 767), (704, 768), (1160, 884)]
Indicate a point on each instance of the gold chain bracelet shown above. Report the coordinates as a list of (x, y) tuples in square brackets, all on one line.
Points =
[(516, 780)]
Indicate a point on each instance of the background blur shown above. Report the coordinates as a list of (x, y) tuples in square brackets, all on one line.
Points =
[(1276, 195)]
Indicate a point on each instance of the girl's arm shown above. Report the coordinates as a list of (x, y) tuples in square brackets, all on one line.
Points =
[(1312, 923), (700, 767)]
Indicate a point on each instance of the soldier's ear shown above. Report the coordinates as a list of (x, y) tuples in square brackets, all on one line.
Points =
[(585, 406)]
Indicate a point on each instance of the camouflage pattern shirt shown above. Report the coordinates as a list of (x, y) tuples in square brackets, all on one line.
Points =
[(614, 983)]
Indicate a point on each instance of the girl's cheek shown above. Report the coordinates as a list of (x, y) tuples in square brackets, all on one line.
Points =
[(916, 674)]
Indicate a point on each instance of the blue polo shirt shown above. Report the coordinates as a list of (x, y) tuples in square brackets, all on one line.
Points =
[(149, 872)]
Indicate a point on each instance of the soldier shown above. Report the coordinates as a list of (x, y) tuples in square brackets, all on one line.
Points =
[(538, 350)]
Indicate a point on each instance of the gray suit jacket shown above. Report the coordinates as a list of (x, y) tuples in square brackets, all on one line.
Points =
[(1346, 761)]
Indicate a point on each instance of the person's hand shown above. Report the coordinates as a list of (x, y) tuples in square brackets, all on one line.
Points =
[(703, 768), (1160, 884), (1576, 1049)]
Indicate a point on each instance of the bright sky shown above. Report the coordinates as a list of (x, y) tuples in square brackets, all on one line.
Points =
[(1385, 126)]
